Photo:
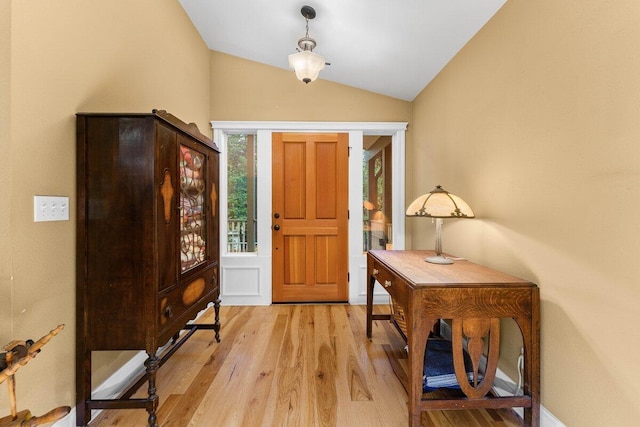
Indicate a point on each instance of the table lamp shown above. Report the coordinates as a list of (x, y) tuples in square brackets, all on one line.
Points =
[(439, 204)]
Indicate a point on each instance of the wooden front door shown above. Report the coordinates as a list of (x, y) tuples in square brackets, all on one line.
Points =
[(310, 217)]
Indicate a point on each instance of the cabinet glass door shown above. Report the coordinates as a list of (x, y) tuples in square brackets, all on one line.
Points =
[(193, 247)]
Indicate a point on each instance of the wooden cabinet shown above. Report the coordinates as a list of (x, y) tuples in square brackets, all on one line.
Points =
[(147, 243)]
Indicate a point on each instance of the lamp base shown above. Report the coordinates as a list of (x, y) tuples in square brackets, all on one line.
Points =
[(439, 259)]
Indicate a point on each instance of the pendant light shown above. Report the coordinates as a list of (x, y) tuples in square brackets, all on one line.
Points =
[(306, 63)]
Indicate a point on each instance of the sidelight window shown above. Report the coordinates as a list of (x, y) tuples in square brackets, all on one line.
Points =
[(241, 199), (376, 180)]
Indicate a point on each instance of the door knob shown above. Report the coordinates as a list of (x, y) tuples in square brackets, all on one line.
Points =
[(276, 227)]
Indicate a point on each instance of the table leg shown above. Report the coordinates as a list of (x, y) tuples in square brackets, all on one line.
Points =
[(418, 329), (371, 281), (530, 328), (532, 362)]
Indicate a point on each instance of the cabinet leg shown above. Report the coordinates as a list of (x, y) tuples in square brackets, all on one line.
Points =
[(152, 363), (83, 387), (216, 324)]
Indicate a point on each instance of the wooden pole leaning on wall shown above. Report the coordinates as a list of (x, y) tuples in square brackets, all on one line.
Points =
[(17, 354)]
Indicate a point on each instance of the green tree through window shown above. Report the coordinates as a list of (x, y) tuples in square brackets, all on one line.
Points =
[(241, 197)]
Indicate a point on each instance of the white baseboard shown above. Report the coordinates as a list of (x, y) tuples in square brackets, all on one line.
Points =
[(118, 382), (547, 419), (111, 387), (505, 386)]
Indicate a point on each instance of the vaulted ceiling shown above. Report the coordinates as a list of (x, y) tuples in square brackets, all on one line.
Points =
[(391, 47)]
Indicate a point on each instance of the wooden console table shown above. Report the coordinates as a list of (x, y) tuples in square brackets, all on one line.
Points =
[(473, 298)]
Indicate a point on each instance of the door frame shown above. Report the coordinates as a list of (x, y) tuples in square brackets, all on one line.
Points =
[(246, 277)]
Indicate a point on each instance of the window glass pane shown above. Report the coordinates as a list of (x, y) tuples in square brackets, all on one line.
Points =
[(193, 247), (241, 184), (376, 185), (377, 168)]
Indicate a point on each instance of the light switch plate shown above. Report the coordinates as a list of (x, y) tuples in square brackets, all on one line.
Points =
[(50, 208)]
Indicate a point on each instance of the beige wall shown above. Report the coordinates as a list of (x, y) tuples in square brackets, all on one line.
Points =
[(246, 90), (5, 168), (61, 58), (536, 124)]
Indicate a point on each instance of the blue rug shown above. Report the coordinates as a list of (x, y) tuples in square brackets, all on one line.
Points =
[(438, 366)]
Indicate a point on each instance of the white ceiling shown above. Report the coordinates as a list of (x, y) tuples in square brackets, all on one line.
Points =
[(391, 47)]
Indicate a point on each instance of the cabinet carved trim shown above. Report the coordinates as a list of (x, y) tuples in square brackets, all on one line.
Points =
[(166, 189), (214, 201)]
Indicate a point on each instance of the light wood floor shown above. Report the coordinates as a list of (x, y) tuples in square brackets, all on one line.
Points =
[(291, 365)]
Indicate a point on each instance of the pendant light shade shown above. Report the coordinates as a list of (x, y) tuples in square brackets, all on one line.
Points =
[(306, 63)]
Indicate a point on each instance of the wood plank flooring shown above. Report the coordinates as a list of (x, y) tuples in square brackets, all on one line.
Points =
[(291, 365)]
